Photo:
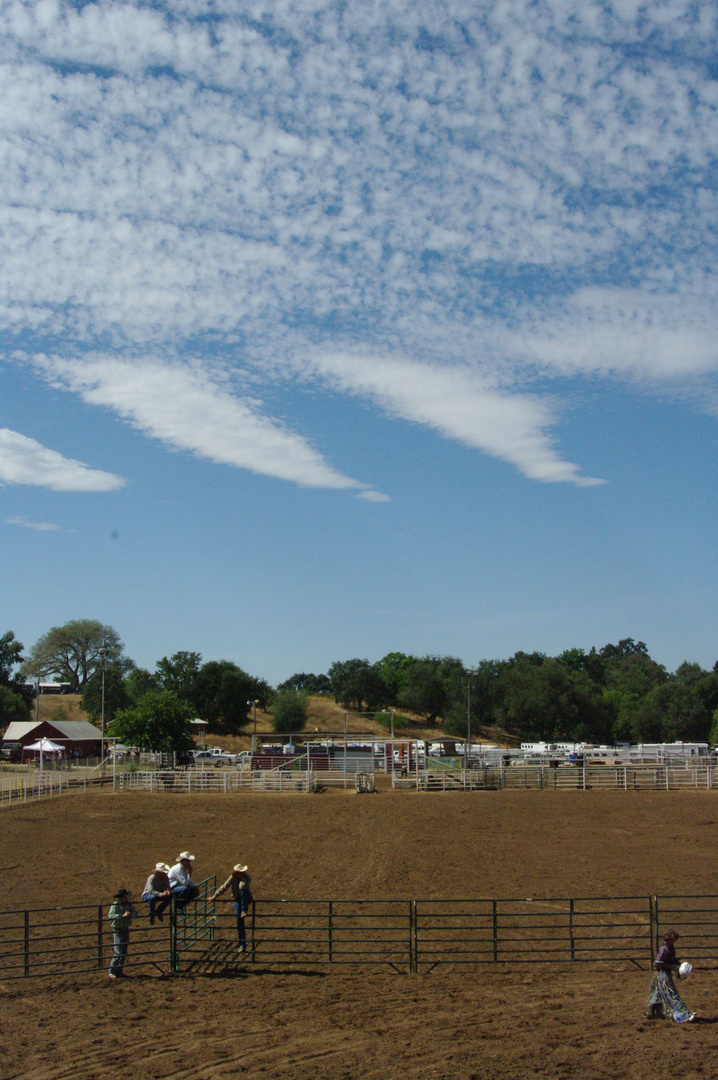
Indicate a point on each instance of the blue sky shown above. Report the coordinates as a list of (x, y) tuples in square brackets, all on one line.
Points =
[(330, 330)]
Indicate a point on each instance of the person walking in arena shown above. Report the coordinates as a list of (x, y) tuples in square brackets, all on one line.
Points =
[(182, 886), (121, 914), (664, 1001), (157, 891), (239, 882)]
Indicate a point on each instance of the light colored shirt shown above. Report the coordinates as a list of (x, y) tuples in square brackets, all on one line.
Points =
[(233, 883), (180, 875)]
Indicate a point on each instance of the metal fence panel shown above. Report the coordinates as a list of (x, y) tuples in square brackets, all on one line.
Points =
[(539, 930), (313, 932), (408, 935), (696, 920), (53, 941)]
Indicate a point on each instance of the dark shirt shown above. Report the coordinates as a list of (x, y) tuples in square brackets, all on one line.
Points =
[(666, 957)]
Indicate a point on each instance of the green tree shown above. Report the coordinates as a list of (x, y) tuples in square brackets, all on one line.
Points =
[(10, 657), (15, 698), (713, 733), (629, 680), (431, 685), (289, 713), (221, 694), (262, 693), (357, 685), (487, 695), (179, 672), (393, 669), (424, 691), (546, 700), (116, 696), (159, 721), (681, 708), (13, 706), (306, 683), (72, 652), (139, 682)]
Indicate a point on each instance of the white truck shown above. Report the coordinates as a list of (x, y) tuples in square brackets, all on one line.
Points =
[(215, 756)]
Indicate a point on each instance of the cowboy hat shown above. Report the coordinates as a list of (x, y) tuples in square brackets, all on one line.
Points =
[(163, 867), (185, 855), (239, 868)]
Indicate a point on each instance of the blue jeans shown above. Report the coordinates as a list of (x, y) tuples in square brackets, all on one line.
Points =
[(121, 939), (241, 930), (183, 894), (156, 907)]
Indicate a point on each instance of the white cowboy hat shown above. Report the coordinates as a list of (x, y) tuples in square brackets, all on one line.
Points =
[(185, 855), (163, 867), (240, 868)]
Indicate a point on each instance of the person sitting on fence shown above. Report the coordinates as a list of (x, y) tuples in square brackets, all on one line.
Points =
[(182, 886), (663, 999), (157, 889), (121, 914), (239, 882)]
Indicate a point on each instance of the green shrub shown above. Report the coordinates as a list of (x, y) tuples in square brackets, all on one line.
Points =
[(289, 712), (400, 721)]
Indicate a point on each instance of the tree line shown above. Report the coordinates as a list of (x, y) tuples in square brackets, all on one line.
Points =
[(613, 694)]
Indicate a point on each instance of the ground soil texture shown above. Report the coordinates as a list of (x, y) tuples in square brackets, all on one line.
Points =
[(474, 1022)]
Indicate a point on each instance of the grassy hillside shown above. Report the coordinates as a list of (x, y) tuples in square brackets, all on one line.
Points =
[(324, 715)]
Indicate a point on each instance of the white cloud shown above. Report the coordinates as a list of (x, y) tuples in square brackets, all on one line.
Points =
[(188, 408), (26, 461), (458, 403), (40, 526), (461, 195)]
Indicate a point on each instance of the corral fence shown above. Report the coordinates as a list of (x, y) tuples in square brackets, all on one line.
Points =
[(229, 780), (406, 935), (571, 778), (486, 778), (39, 942), (46, 785)]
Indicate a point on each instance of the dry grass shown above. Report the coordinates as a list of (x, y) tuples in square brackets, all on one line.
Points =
[(324, 715), (53, 705)]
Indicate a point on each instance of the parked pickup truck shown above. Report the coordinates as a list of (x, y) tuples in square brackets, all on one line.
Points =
[(216, 756)]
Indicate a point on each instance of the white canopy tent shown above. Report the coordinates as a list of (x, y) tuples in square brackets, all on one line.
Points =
[(44, 746)]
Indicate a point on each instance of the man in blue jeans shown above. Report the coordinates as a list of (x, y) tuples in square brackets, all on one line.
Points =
[(157, 891), (238, 881), (182, 886)]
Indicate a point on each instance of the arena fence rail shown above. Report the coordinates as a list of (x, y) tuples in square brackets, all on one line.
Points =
[(489, 778), (46, 785), (406, 935), (540, 778)]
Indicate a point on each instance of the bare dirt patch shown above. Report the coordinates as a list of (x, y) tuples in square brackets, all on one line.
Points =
[(549, 1021)]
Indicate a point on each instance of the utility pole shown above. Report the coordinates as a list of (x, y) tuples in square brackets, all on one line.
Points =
[(103, 657)]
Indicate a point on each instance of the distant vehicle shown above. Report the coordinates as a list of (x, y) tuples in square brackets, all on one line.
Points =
[(11, 751), (216, 756)]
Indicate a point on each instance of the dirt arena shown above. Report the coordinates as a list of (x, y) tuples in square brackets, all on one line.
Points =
[(474, 1022)]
